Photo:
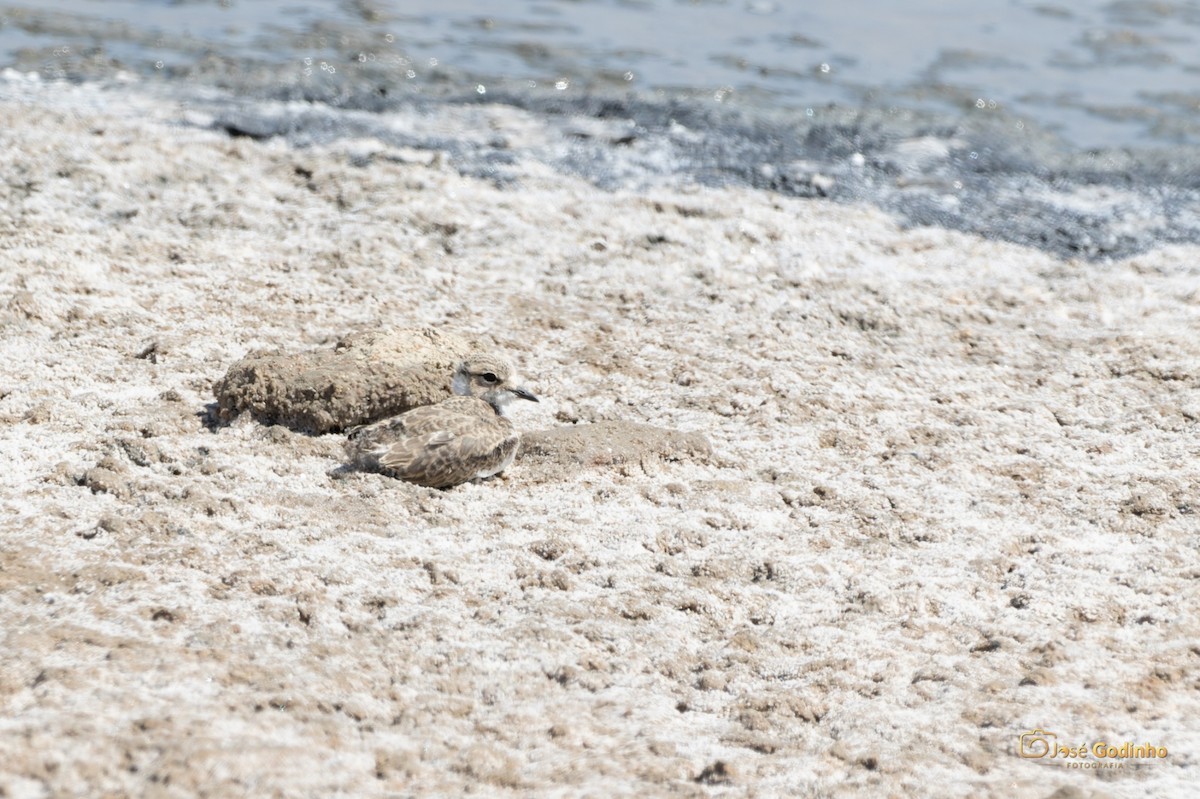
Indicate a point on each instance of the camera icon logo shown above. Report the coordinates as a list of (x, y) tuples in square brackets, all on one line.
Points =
[(1037, 743)]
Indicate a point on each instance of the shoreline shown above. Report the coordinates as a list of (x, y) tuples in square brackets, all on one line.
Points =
[(983, 173)]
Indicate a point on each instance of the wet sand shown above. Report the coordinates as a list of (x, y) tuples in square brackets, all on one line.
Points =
[(951, 497)]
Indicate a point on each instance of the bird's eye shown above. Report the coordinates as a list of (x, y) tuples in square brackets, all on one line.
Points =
[(489, 377)]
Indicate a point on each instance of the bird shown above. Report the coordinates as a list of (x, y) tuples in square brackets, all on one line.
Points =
[(462, 438)]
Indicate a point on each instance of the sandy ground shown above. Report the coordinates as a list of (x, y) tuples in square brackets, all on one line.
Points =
[(953, 493)]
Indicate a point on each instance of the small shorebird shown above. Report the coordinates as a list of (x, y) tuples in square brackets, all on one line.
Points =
[(465, 437)]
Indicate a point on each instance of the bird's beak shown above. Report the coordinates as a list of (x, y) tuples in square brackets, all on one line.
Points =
[(525, 393)]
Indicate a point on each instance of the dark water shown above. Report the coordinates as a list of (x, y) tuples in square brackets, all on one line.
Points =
[(1069, 126)]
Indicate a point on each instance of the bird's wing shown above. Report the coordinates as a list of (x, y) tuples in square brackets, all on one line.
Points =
[(441, 459), (363, 443), (420, 421), (436, 445)]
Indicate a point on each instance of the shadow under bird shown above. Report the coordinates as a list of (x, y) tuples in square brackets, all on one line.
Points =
[(465, 437)]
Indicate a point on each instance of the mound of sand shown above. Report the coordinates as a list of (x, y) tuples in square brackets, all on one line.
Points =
[(366, 377)]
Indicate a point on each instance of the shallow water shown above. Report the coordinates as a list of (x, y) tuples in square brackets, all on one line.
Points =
[(1095, 72)]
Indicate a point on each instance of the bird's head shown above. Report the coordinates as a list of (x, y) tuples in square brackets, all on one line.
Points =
[(490, 378)]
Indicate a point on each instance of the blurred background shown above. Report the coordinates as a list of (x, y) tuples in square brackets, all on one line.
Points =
[(1096, 73)]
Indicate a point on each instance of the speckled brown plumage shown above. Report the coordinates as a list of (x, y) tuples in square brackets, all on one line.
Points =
[(463, 438)]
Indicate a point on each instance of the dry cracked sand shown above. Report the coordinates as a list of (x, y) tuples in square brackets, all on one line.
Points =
[(952, 494)]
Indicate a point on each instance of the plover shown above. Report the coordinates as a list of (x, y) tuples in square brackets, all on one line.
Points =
[(465, 437)]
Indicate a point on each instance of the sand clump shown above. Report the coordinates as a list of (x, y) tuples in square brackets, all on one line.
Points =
[(368, 376), (945, 492), (556, 452)]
